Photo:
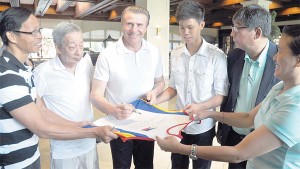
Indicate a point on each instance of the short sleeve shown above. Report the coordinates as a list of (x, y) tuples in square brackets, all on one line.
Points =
[(102, 68), (284, 123)]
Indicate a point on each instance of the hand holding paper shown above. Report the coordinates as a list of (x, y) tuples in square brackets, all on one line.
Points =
[(152, 121)]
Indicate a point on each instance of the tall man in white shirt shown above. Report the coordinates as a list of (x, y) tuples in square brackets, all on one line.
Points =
[(64, 84), (198, 78), (128, 70)]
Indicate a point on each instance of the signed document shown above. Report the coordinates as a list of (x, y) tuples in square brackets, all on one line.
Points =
[(150, 121)]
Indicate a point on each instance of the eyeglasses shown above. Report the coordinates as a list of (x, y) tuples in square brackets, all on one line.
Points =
[(236, 29), (34, 33)]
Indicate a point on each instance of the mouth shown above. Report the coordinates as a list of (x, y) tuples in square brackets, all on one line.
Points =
[(276, 66), (39, 45), (187, 38)]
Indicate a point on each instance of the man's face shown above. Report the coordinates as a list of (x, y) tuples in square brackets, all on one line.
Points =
[(71, 50), (29, 43), (242, 36), (134, 27), (190, 30)]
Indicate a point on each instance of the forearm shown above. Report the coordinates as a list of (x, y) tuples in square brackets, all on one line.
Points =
[(166, 95), (159, 85), (53, 118), (212, 102), (65, 132), (215, 153), (103, 105), (241, 120), (39, 124)]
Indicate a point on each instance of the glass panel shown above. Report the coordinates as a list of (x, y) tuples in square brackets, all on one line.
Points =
[(96, 46), (113, 33), (97, 35)]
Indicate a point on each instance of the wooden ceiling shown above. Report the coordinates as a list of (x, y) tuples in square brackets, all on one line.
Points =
[(218, 12)]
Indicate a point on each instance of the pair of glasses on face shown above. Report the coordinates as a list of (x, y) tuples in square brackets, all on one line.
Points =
[(34, 33), (236, 28)]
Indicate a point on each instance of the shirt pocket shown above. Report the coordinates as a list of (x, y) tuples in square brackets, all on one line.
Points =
[(204, 76), (178, 74)]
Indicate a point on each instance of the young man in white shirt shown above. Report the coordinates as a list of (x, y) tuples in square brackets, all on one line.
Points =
[(198, 78)]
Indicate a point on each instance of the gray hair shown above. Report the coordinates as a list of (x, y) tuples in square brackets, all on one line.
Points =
[(60, 31), (136, 10), (188, 9), (254, 16)]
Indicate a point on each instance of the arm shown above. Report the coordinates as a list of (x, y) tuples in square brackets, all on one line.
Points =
[(159, 85), (209, 104), (260, 141), (121, 111), (30, 116), (53, 118), (241, 120), (166, 95)]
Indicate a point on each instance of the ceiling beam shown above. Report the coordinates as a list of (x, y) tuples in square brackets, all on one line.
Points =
[(41, 7), (15, 3), (82, 9), (63, 5)]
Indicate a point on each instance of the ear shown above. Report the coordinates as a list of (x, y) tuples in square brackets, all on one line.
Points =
[(202, 24), (298, 62), (258, 33), (12, 37), (57, 50)]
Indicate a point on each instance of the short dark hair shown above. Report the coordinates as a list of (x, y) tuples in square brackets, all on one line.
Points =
[(294, 32), (11, 20), (254, 16), (188, 9)]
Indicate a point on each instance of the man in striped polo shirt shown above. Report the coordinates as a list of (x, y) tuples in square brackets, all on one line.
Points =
[(21, 121)]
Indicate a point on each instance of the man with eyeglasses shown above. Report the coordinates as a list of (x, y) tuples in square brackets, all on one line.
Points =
[(22, 122), (250, 70)]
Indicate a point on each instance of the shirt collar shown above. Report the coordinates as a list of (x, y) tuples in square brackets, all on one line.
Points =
[(203, 50), (123, 50), (261, 60), (288, 93), (9, 57), (58, 64)]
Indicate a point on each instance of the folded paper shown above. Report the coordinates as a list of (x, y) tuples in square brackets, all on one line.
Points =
[(152, 121)]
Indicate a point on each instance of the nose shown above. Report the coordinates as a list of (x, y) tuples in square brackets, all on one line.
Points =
[(186, 31), (275, 56), (134, 27)]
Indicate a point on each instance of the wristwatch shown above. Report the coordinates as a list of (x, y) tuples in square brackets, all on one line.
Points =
[(193, 152)]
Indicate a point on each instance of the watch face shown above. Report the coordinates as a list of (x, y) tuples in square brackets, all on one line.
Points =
[(193, 157)]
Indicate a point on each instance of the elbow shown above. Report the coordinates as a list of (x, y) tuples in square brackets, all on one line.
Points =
[(238, 160), (41, 134), (92, 98), (238, 155)]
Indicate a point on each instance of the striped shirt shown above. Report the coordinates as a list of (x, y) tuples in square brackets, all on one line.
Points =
[(18, 145)]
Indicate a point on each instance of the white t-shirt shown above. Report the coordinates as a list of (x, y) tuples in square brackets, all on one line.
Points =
[(198, 78), (129, 75), (67, 95)]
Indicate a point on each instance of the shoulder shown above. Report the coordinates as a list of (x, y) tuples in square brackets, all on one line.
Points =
[(44, 67), (150, 46), (178, 49), (215, 49)]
